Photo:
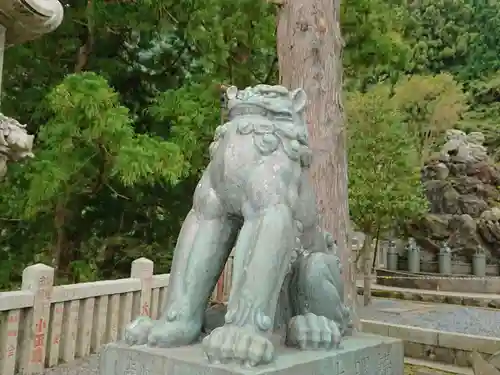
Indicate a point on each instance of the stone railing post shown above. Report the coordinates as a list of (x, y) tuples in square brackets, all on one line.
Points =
[(38, 279), (445, 267), (142, 269)]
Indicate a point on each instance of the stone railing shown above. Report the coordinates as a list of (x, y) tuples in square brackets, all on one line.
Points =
[(43, 325)]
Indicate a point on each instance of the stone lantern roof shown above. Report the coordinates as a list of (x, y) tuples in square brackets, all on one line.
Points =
[(25, 20)]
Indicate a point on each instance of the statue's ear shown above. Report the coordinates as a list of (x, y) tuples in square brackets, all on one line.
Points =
[(299, 99), (231, 92)]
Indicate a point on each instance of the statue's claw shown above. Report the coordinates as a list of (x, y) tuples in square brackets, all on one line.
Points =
[(238, 344), (136, 333), (311, 332), (166, 334)]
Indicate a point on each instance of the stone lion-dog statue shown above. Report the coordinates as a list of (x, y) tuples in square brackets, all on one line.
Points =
[(254, 196)]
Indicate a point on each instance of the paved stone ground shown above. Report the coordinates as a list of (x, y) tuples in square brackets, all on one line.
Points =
[(443, 317), (451, 318)]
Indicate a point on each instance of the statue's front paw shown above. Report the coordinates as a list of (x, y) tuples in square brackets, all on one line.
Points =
[(238, 344), (136, 333), (311, 331)]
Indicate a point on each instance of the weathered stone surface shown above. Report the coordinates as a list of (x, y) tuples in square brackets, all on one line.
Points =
[(15, 142), (461, 185), (495, 360), (363, 354), (464, 234), (489, 225), (428, 372), (481, 367)]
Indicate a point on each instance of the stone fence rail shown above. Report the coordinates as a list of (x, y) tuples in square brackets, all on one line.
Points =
[(43, 325)]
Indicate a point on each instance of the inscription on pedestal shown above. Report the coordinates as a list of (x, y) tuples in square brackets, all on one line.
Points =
[(384, 363), (136, 367), (339, 368), (361, 365), (382, 359)]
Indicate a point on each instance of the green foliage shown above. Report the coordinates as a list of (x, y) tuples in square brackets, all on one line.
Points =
[(458, 36), (431, 105), (192, 113), (374, 47), (119, 149), (384, 173), (484, 115), (88, 141)]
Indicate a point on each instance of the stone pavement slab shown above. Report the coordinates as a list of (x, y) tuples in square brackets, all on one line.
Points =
[(442, 317)]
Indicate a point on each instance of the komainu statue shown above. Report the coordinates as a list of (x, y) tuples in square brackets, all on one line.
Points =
[(255, 197), (15, 142)]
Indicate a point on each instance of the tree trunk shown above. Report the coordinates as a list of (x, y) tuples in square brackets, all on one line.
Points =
[(367, 269), (309, 48)]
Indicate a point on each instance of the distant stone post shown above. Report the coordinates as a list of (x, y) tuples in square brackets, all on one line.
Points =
[(445, 260), (392, 256), (479, 263), (413, 252)]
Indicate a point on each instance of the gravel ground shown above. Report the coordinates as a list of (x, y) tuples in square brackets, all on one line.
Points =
[(86, 366), (444, 317)]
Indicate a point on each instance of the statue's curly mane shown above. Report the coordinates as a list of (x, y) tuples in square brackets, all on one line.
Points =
[(271, 122)]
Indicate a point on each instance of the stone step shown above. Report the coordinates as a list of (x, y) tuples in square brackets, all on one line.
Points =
[(428, 367), (441, 347), (455, 298)]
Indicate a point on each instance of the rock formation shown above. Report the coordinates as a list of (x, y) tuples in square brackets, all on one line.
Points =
[(462, 185)]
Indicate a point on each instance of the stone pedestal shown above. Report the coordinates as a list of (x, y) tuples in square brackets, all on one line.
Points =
[(363, 354)]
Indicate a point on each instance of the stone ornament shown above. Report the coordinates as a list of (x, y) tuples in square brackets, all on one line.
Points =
[(23, 20), (463, 147), (412, 245), (255, 197), (445, 248), (15, 142), (26, 20)]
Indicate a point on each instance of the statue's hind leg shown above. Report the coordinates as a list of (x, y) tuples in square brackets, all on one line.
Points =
[(321, 317), (262, 257), (203, 246)]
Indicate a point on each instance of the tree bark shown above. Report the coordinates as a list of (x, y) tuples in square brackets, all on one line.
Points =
[(367, 252), (309, 46)]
